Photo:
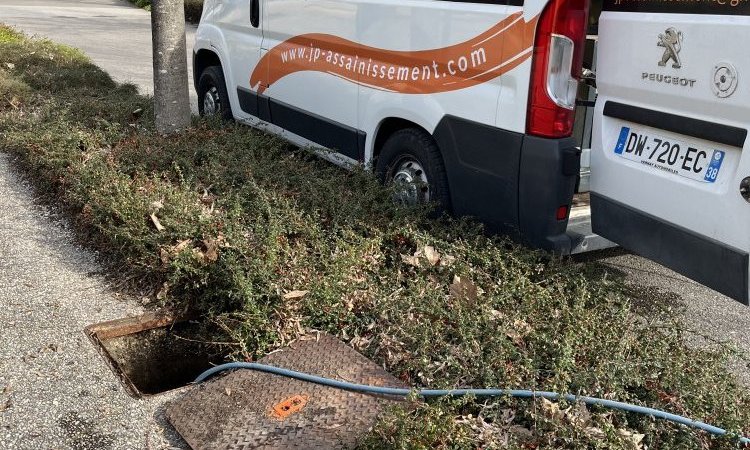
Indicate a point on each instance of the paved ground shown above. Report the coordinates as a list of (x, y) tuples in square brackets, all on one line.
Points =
[(55, 390), (705, 311), (114, 33)]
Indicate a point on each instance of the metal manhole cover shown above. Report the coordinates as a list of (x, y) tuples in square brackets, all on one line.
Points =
[(253, 410)]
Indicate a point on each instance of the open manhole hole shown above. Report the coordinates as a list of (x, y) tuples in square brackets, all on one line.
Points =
[(155, 353)]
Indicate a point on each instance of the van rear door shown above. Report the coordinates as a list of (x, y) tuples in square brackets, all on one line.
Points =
[(670, 160)]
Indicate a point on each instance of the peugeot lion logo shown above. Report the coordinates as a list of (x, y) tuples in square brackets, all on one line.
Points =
[(671, 40)]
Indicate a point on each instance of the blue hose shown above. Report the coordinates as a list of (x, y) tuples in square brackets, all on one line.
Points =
[(401, 392)]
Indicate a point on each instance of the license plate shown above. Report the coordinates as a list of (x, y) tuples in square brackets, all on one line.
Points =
[(696, 162)]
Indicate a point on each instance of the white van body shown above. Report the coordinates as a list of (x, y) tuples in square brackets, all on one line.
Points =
[(670, 160), (472, 104), (349, 74)]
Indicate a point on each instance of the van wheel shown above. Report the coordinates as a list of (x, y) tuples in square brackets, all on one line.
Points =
[(212, 94), (411, 161)]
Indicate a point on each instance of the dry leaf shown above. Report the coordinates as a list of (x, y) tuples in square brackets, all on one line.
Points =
[(198, 254), (14, 102), (632, 437), (522, 327), (496, 315), (228, 392), (360, 342), (463, 290), (447, 260), (182, 245), (507, 416), (10, 66), (157, 224), (433, 257), (596, 433), (519, 331), (515, 337), (164, 256), (212, 250), (552, 409), (411, 260), (295, 295), (579, 416)]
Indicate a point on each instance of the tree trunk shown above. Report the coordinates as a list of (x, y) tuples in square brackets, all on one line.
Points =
[(171, 100)]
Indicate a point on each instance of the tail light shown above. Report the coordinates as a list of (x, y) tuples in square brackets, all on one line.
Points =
[(556, 67)]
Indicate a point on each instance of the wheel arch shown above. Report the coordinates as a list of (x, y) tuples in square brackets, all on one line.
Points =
[(387, 128), (204, 58)]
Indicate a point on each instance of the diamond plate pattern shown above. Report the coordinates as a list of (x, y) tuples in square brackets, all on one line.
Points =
[(235, 411)]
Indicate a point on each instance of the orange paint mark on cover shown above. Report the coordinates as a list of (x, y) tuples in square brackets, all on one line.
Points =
[(289, 406)]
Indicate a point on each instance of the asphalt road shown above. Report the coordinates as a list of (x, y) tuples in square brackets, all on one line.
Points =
[(114, 33), (55, 390), (713, 317)]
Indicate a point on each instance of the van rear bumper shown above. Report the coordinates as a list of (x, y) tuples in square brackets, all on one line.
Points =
[(512, 182), (707, 261), (548, 177)]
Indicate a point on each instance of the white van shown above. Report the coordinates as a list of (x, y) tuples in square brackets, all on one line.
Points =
[(670, 165), (471, 104), (471, 101)]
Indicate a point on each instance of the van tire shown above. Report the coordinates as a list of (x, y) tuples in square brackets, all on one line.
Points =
[(416, 146), (212, 82)]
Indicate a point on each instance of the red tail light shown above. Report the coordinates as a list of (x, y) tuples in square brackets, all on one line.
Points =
[(556, 67)]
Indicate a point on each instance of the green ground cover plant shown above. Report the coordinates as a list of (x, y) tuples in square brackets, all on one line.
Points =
[(269, 242)]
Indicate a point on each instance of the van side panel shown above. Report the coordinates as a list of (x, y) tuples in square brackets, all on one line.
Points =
[(320, 94), (429, 25), (241, 42), (481, 153), (514, 99), (332, 71), (210, 37)]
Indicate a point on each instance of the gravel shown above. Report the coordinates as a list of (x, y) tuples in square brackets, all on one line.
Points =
[(56, 391)]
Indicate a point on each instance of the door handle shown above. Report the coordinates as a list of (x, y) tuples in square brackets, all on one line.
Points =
[(745, 189), (255, 13)]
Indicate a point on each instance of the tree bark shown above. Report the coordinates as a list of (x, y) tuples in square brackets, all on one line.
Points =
[(171, 100)]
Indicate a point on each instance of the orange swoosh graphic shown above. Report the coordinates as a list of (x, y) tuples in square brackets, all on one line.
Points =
[(482, 58)]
